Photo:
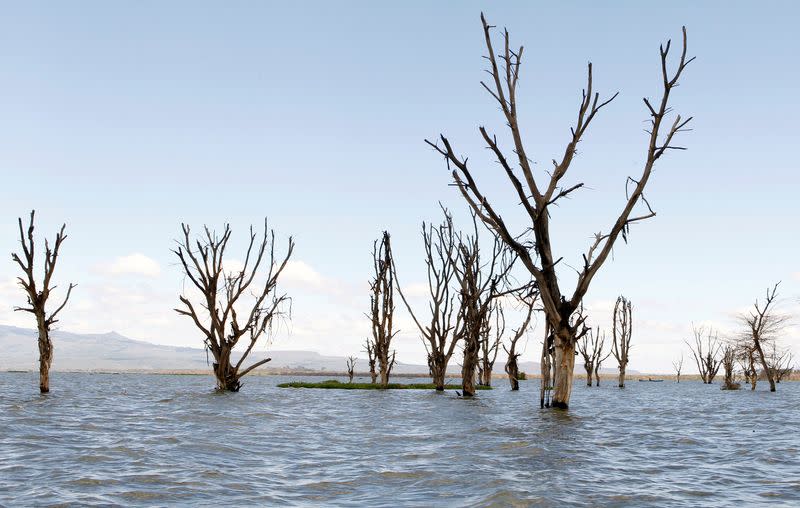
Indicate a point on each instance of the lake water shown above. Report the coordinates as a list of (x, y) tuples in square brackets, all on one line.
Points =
[(158, 440)]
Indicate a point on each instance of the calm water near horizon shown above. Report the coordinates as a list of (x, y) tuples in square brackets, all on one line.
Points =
[(132, 439)]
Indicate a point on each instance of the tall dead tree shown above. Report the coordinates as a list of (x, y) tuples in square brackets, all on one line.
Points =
[(442, 332), (480, 280), (707, 358), (763, 326), (351, 368), (512, 366), (382, 307), (728, 363), (537, 193), (491, 337), (678, 365), (591, 349), (621, 333), (37, 296), (372, 359), (236, 304)]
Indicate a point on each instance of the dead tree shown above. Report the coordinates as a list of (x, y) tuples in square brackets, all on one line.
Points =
[(37, 298), (678, 365), (382, 307), (512, 366), (223, 313), (763, 327), (480, 282), (442, 332), (351, 368), (591, 349), (728, 362), (621, 333), (538, 193), (370, 350), (599, 363), (781, 362), (746, 354), (491, 337), (707, 359)]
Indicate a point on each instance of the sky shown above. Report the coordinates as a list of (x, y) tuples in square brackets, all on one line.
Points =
[(125, 119)]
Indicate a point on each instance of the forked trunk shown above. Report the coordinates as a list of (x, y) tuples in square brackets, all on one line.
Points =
[(564, 367), (512, 369), (437, 373), (227, 380), (45, 357)]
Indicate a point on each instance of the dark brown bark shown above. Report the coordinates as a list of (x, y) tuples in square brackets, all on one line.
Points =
[(37, 298), (226, 317), (491, 336), (728, 361), (373, 373), (764, 326), (533, 245), (382, 307), (512, 367), (622, 331)]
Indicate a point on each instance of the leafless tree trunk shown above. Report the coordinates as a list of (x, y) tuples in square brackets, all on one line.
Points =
[(382, 307), (225, 317), (599, 363), (707, 359), (37, 299), (443, 332), (591, 349), (534, 249), (372, 358), (622, 331), (494, 328), (747, 358), (512, 367), (678, 367), (546, 364), (781, 362), (728, 360), (764, 326), (351, 368)]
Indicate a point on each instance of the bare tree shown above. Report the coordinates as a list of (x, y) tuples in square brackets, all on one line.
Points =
[(764, 325), (781, 362), (707, 359), (37, 298), (599, 362), (512, 367), (621, 333), (442, 333), (678, 365), (746, 354), (591, 349), (534, 246), (728, 361), (372, 358), (224, 317), (351, 368), (491, 337), (382, 307)]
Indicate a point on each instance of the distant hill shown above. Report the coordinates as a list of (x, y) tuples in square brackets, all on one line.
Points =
[(114, 352)]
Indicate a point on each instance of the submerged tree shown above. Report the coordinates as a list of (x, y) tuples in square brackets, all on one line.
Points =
[(351, 368), (763, 326), (622, 331), (224, 315), (372, 359), (678, 365), (591, 349), (37, 296), (706, 358), (512, 366), (781, 362), (728, 362), (746, 354), (442, 333), (382, 307), (537, 196), (491, 336)]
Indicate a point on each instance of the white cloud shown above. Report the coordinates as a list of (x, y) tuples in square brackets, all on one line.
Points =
[(133, 264), (302, 274)]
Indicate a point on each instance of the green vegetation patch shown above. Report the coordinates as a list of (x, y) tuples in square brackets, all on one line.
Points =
[(333, 384)]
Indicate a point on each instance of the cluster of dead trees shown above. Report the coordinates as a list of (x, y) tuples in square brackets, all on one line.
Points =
[(754, 352)]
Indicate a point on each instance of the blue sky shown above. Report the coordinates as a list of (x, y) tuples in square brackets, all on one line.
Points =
[(124, 119)]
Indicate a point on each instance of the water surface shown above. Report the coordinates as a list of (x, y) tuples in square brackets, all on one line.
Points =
[(154, 440)]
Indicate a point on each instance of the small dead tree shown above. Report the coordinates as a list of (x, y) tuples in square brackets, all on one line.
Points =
[(223, 315), (512, 366), (369, 348), (678, 365), (706, 358), (351, 368), (781, 362), (442, 333), (763, 327), (537, 194), (382, 307), (37, 298), (491, 337), (746, 354), (728, 362), (621, 333), (591, 349), (599, 363)]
